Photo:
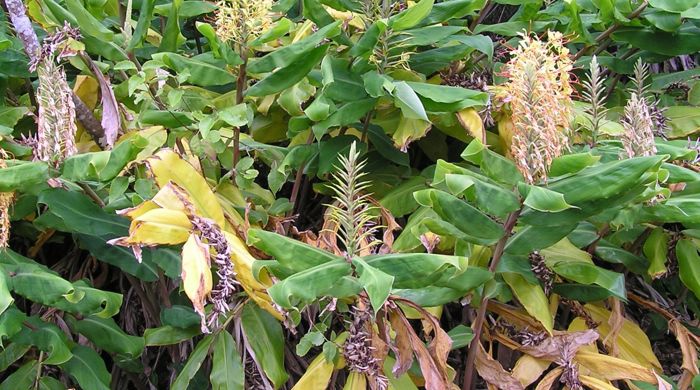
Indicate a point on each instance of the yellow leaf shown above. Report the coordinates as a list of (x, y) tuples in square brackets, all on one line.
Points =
[(633, 342), (528, 369), (172, 197), (167, 166), (548, 381), (612, 368), (317, 375), (87, 89), (159, 227), (506, 128), (596, 384), (408, 131), (196, 273), (532, 297), (356, 381), (134, 212), (471, 121), (347, 17)]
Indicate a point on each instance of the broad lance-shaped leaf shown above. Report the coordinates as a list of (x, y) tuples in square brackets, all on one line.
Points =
[(23, 175), (194, 362), (46, 337), (411, 16), (689, 265), (478, 227), (227, 369), (106, 334), (377, 283), (264, 335), (288, 76), (317, 375), (304, 287), (196, 273), (532, 297), (545, 200), (292, 254), (656, 250), (87, 368)]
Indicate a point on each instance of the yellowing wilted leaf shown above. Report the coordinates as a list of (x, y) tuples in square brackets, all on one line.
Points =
[(316, 376), (548, 381), (408, 131), (596, 384), (493, 373), (356, 381), (196, 273), (166, 166), (532, 298), (528, 369), (612, 368), (471, 121)]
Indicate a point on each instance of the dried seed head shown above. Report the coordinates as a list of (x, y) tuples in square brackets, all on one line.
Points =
[(227, 285), (358, 349), (638, 137), (6, 199), (541, 271), (658, 119), (240, 21), (539, 92)]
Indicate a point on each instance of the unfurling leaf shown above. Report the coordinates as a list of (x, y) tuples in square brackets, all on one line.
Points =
[(196, 274)]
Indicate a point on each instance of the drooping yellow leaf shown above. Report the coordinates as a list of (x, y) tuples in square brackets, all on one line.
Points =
[(532, 297), (565, 251), (158, 227), (596, 384), (196, 273), (136, 211), (167, 166), (506, 128), (633, 342), (528, 369), (548, 381), (172, 197), (356, 381), (612, 368), (317, 375), (471, 121), (408, 131)]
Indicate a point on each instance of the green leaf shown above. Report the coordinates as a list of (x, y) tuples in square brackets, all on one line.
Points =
[(545, 200), (200, 73), (292, 254), (11, 354), (107, 335), (532, 297), (143, 24), (290, 54), (5, 298), (588, 273), (48, 338), (22, 175), (452, 9), (288, 76), (461, 336), (681, 41), (377, 283), (194, 362), (416, 270), (674, 5), (406, 99), (306, 286), (264, 335), (168, 335), (88, 24), (227, 369), (172, 36), (571, 163), (87, 368), (478, 227), (656, 250), (411, 16), (23, 378), (689, 265), (399, 201)]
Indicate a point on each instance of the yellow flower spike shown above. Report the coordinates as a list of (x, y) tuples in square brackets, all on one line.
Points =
[(196, 274)]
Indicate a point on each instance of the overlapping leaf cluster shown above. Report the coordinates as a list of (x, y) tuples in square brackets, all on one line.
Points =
[(354, 194)]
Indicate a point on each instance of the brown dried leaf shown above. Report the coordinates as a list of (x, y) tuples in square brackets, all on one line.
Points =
[(434, 372), (390, 226), (402, 344), (512, 315), (561, 344), (111, 120), (616, 320), (689, 351), (493, 373)]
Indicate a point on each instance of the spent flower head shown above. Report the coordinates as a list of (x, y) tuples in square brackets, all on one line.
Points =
[(240, 21), (539, 91), (638, 137)]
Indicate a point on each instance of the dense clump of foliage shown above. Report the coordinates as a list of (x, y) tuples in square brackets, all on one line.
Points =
[(382, 194)]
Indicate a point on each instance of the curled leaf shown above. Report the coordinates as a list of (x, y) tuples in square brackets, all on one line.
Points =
[(196, 274)]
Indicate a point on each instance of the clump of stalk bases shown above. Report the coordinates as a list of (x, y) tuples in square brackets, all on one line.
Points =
[(539, 93)]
